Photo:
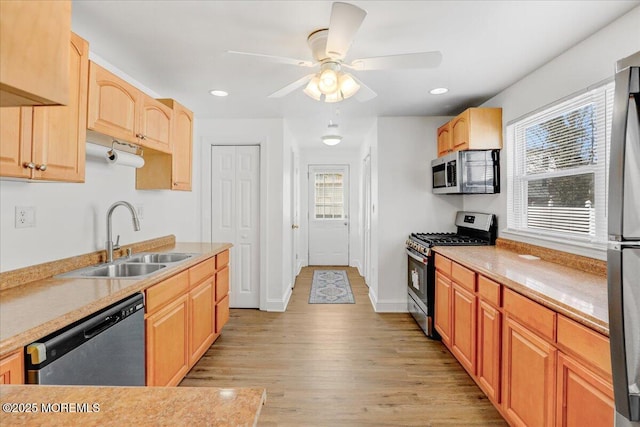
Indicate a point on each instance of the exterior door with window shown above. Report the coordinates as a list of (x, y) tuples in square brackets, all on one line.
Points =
[(328, 215)]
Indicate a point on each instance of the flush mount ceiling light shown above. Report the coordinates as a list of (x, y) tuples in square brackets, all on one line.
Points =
[(217, 92), (438, 91), (332, 136)]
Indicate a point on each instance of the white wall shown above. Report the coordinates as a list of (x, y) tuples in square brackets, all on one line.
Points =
[(71, 218), (275, 286), (589, 62), (336, 155), (405, 148)]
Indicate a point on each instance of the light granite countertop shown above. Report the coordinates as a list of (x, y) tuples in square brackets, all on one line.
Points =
[(29, 312), (138, 406), (576, 294)]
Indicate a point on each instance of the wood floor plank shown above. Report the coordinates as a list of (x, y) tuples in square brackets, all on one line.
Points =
[(342, 365)]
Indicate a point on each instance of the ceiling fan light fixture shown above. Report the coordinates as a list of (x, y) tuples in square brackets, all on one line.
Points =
[(312, 89), (328, 81), (348, 86)]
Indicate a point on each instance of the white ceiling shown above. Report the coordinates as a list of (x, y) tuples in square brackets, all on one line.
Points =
[(178, 49)]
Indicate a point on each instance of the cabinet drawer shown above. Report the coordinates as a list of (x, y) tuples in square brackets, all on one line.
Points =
[(222, 259), (489, 290), (443, 264), (222, 283), (584, 343), (202, 271), (164, 292), (463, 276), (537, 318)]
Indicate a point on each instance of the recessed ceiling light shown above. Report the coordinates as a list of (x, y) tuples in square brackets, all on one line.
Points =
[(216, 92), (438, 91)]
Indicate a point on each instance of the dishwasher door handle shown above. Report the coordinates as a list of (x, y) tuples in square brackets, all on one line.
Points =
[(108, 322)]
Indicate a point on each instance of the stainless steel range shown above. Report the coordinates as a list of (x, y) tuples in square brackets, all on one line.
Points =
[(473, 229)]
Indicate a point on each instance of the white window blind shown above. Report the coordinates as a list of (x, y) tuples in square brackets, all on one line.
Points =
[(558, 169)]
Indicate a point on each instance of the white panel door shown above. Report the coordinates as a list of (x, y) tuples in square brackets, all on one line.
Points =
[(328, 215), (235, 199)]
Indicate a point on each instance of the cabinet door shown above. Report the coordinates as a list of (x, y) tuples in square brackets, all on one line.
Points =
[(34, 52), (463, 335), (222, 313), (112, 105), (443, 307), (59, 133), (168, 344), (444, 139), (15, 135), (489, 346), (201, 314), (460, 131), (12, 369), (155, 124), (529, 369), (182, 148), (222, 283), (584, 399)]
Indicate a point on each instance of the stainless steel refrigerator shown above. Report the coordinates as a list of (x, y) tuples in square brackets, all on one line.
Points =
[(623, 255)]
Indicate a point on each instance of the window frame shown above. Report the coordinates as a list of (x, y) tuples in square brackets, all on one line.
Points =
[(517, 176)]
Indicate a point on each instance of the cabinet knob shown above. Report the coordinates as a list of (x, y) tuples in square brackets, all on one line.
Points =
[(41, 167), (29, 165)]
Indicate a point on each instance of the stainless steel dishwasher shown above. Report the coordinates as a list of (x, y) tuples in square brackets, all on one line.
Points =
[(106, 348)]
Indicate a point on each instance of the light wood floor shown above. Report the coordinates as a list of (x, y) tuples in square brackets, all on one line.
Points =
[(342, 365)]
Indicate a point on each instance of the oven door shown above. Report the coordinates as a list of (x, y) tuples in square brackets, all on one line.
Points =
[(417, 280)]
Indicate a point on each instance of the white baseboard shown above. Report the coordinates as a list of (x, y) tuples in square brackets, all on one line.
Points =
[(356, 263), (387, 306), (279, 305)]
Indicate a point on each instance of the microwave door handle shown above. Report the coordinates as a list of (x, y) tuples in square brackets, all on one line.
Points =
[(495, 154)]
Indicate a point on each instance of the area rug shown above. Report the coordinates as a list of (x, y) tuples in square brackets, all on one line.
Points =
[(330, 287)]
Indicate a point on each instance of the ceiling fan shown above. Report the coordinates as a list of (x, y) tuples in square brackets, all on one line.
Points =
[(329, 47)]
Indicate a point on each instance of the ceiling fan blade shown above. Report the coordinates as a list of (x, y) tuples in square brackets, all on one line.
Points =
[(365, 93), (291, 87), (343, 26), (403, 61), (278, 59)]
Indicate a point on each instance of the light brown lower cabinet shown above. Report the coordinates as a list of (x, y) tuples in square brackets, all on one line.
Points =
[(167, 338), (489, 346), (185, 314), (463, 336), (12, 368), (529, 370), (443, 307)]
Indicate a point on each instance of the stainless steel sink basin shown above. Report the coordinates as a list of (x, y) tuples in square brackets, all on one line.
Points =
[(124, 270), (159, 258)]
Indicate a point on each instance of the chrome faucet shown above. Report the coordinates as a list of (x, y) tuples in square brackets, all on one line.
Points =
[(136, 226)]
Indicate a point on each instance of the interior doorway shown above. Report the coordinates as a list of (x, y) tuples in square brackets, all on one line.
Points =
[(328, 215)]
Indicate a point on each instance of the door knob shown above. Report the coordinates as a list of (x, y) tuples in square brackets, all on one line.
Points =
[(294, 226), (41, 167)]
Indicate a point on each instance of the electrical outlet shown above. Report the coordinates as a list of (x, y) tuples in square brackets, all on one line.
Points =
[(140, 211), (25, 216)]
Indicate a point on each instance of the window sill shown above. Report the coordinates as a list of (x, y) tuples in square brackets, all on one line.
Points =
[(591, 250)]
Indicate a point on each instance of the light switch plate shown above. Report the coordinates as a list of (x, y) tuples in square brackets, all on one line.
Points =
[(25, 216)]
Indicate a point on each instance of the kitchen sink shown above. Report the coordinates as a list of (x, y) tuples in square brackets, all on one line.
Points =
[(125, 270), (159, 258), (135, 267)]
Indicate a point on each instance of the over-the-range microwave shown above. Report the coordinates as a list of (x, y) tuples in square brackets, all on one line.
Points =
[(467, 172)]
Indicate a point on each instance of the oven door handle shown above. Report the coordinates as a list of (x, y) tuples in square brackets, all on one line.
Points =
[(417, 258)]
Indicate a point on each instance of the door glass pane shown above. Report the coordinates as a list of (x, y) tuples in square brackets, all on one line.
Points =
[(329, 196)]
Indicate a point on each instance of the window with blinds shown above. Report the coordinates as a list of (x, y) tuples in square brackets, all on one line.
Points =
[(558, 169), (329, 196)]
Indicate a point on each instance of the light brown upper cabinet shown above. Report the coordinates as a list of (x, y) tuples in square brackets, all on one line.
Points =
[(160, 172), (121, 111), (473, 129), (48, 142), (34, 52)]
